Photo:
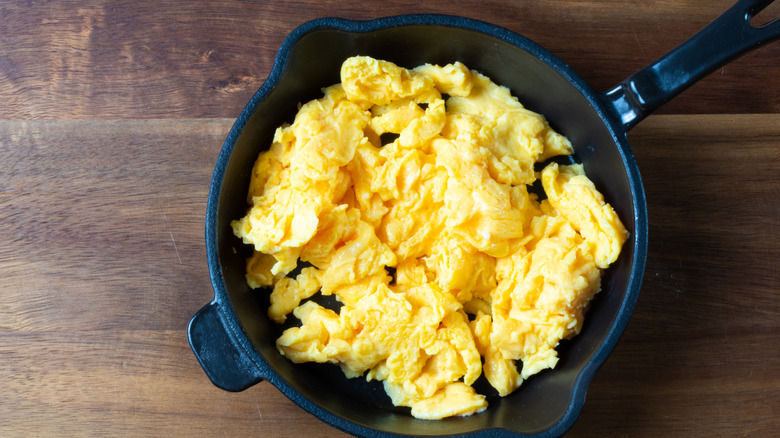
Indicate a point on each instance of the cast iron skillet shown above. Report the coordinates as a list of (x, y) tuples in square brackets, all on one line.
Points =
[(232, 336)]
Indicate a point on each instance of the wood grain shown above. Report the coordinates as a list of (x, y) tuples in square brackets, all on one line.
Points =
[(700, 355), (112, 114), (126, 59)]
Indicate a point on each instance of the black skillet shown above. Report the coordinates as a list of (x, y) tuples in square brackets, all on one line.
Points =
[(234, 340)]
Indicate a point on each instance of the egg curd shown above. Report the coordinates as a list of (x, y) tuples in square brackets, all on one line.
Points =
[(426, 172)]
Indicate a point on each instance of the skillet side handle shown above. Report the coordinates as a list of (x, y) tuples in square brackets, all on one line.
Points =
[(731, 35), (222, 359)]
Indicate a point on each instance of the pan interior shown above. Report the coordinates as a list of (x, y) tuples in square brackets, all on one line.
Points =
[(314, 62)]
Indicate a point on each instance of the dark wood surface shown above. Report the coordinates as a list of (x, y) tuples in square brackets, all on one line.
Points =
[(111, 118)]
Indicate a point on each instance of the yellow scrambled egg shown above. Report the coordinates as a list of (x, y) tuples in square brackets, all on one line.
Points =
[(487, 278)]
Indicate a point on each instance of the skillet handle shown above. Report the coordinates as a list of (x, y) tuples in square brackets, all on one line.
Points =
[(218, 352), (725, 39)]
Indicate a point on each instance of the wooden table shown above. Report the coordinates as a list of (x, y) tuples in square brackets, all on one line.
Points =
[(112, 114)]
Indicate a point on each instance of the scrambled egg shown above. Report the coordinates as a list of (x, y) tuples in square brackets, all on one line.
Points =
[(486, 278)]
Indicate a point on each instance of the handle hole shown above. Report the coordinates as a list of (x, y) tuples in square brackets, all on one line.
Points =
[(766, 16)]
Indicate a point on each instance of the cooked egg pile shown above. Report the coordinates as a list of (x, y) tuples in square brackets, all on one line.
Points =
[(487, 278)]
